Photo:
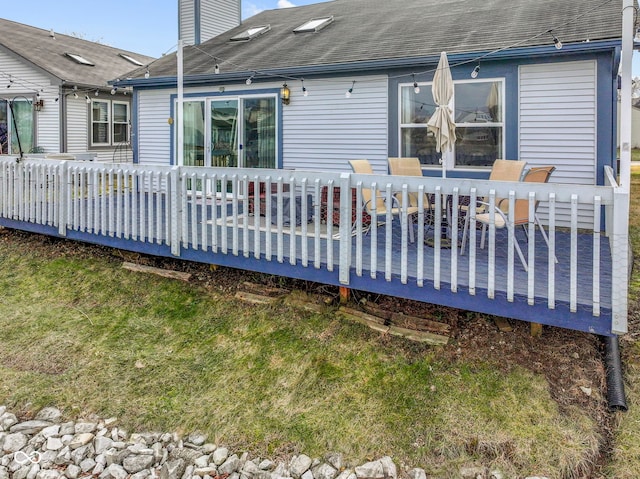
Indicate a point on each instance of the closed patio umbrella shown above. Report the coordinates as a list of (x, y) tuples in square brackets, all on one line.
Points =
[(441, 122)]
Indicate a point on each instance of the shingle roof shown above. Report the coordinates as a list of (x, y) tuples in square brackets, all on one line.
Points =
[(370, 30), (36, 45)]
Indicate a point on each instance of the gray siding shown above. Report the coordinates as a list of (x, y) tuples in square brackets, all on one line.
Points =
[(557, 126)]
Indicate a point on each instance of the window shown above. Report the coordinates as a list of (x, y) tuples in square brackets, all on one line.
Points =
[(479, 117), (250, 33), (314, 25), (18, 135), (130, 59), (109, 122), (79, 59)]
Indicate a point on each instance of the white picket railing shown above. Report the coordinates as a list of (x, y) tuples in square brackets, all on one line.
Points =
[(211, 210)]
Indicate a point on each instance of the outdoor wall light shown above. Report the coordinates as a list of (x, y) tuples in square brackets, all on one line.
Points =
[(285, 94), (38, 104)]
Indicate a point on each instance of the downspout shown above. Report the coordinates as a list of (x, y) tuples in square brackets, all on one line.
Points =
[(615, 383), (63, 123)]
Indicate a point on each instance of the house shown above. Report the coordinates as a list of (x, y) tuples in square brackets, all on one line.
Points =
[(517, 93), (237, 135), (56, 87)]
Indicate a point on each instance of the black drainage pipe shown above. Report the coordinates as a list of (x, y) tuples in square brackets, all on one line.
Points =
[(615, 384)]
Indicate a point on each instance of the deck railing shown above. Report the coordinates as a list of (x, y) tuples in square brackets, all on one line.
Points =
[(317, 220)]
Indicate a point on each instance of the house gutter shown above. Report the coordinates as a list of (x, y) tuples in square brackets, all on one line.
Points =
[(370, 65)]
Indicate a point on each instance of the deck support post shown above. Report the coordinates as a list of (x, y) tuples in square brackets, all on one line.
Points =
[(344, 294)]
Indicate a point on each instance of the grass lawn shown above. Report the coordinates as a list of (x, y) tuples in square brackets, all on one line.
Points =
[(81, 333)]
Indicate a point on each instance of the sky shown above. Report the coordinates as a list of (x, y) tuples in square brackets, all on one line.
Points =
[(149, 27), (128, 24)]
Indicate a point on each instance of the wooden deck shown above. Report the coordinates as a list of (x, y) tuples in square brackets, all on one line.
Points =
[(158, 212)]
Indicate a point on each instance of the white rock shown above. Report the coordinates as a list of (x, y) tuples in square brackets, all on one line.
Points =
[(30, 427), (220, 455), (88, 464), (117, 471), (50, 414), (14, 442), (202, 461), (370, 470), (325, 471), (137, 463), (102, 443), (389, 468), (299, 465), (49, 474), (33, 472), (80, 440), (54, 444), (47, 432), (307, 475), (230, 465), (267, 465), (72, 471), (82, 427), (7, 420)]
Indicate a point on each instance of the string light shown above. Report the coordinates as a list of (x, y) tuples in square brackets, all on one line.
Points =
[(556, 41), (147, 74), (10, 82), (114, 90), (88, 98), (476, 71), (416, 88), (304, 89), (250, 79), (97, 92), (216, 68), (350, 90)]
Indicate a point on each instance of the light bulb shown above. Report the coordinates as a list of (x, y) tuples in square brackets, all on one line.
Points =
[(348, 94), (475, 72), (557, 43), (249, 81), (216, 69), (146, 74), (86, 97), (114, 90), (305, 92), (416, 88)]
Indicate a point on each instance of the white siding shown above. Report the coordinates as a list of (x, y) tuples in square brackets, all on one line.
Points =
[(77, 124), (557, 122), (319, 132), (558, 119), (218, 16), (27, 81), (324, 130), (186, 21), (154, 131)]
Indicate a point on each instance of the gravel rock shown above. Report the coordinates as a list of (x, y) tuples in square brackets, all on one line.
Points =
[(49, 414), (299, 465), (220, 455), (370, 470), (14, 442), (30, 427)]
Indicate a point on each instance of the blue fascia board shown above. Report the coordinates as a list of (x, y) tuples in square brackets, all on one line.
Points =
[(374, 65)]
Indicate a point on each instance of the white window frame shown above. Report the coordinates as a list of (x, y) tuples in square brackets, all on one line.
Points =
[(110, 122), (125, 123), (449, 156), (207, 99)]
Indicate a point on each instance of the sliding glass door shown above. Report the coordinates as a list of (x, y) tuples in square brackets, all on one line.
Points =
[(19, 133), (230, 132)]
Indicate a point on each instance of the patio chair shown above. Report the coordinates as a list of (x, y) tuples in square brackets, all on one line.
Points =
[(408, 167), (380, 212), (502, 170)]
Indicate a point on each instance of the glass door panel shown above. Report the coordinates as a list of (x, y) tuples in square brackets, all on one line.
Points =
[(224, 133), (4, 128), (259, 133), (194, 132)]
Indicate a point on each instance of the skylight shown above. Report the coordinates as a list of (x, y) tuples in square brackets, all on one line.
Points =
[(79, 59), (314, 25), (250, 33), (131, 59)]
